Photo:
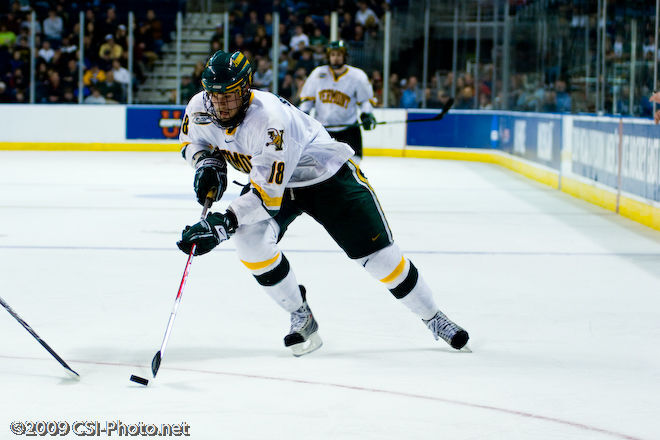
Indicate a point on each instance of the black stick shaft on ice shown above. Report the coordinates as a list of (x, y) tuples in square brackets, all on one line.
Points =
[(158, 357), (36, 336), (445, 109)]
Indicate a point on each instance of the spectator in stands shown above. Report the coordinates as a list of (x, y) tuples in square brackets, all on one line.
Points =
[(298, 82), (112, 91), (121, 74), (95, 97), (5, 95), (94, 76), (484, 102), (409, 97), (240, 43), (268, 24), (156, 29), (261, 44), (69, 74), (648, 47), (197, 73), (286, 87), (263, 77), (251, 25), (318, 41), (309, 25), (394, 97), (188, 89), (110, 49), (298, 42), (53, 88), (146, 46), (26, 24), (16, 61), (365, 16), (53, 28), (109, 24), (563, 98), (69, 97), (121, 37), (347, 28), (465, 98), (376, 81), (358, 35), (218, 36), (46, 52), (68, 48), (306, 61), (549, 101)]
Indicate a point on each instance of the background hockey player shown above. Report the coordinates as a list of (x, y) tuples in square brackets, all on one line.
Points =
[(294, 167), (336, 92)]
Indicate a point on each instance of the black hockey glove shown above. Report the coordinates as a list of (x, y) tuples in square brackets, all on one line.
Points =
[(211, 173), (208, 233), (368, 121)]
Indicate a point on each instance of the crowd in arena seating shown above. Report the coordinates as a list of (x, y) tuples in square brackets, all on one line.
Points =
[(304, 32), (57, 29)]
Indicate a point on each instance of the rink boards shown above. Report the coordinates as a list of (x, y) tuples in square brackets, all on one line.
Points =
[(609, 161)]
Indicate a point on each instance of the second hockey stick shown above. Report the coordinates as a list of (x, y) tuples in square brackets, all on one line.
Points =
[(443, 112), (36, 336)]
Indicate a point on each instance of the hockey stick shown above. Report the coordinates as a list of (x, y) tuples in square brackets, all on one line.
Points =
[(158, 357), (443, 112), (36, 336)]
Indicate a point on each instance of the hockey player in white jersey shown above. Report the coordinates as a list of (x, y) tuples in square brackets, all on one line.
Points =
[(294, 167), (336, 92)]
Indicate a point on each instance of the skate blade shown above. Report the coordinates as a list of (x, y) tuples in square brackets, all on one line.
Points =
[(313, 343), (466, 349)]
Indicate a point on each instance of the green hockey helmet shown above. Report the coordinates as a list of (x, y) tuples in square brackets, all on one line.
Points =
[(227, 73), (340, 46)]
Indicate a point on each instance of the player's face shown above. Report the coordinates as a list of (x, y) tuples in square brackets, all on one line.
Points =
[(336, 58), (226, 105)]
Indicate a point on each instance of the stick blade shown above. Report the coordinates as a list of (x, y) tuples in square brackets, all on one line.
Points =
[(72, 373), (155, 363)]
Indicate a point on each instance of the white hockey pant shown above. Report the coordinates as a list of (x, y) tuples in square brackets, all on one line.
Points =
[(257, 249)]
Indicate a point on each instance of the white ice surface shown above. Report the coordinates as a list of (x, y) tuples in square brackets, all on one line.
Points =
[(561, 299)]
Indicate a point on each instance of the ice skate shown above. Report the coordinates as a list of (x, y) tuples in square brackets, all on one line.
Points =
[(303, 337), (443, 328)]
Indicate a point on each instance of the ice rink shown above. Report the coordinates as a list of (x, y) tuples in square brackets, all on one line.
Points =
[(561, 300)]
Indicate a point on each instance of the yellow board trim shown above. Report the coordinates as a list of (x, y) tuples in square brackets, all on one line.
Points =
[(265, 198), (639, 211), (395, 273), (261, 264)]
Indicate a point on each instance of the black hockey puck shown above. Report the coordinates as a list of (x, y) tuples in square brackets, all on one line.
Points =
[(140, 380)]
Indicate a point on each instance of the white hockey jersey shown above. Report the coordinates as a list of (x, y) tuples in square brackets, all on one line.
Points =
[(336, 99), (277, 144)]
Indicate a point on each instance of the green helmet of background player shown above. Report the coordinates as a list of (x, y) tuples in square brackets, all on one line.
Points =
[(339, 46), (227, 73)]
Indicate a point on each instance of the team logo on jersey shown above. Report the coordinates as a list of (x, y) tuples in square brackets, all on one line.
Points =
[(202, 118), (275, 136)]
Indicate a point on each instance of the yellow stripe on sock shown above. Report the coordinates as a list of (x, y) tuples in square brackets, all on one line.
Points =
[(261, 264), (395, 273)]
